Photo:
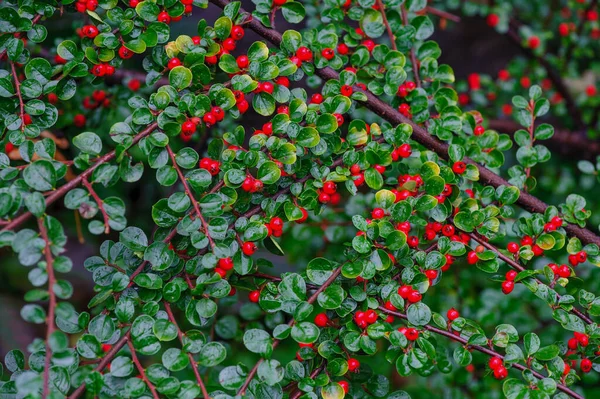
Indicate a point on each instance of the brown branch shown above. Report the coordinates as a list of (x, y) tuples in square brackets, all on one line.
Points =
[(190, 195), (60, 192), (18, 90), (413, 57), (442, 14), (311, 300), (100, 203), (140, 369), (51, 305), (381, 7), (565, 142), (481, 349), (515, 265), (315, 372), (422, 136), (103, 363), (190, 357)]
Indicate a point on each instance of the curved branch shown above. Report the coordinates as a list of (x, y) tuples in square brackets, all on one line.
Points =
[(311, 300), (422, 136), (564, 142), (481, 349), (51, 304), (60, 192)]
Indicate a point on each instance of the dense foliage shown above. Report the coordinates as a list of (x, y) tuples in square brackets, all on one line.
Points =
[(408, 203)]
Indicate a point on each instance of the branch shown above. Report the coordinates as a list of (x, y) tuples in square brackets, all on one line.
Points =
[(311, 300), (413, 57), (51, 305), (103, 363), (100, 203), (422, 136), (381, 7), (140, 369), (18, 90), (441, 14), (513, 264), (563, 141), (190, 195), (481, 349), (190, 357), (78, 180)]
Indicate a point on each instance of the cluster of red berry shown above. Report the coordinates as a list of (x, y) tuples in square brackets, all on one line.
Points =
[(99, 98), (328, 194), (212, 166), (84, 5)]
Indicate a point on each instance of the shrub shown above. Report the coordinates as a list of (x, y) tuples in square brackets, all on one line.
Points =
[(342, 142)]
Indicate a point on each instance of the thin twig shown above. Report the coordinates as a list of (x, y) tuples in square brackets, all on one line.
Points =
[(60, 192), (190, 195), (311, 300), (381, 7), (140, 369), (51, 305), (18, 90), (481, 349), (100, 203), (103, 363), (190, 357)]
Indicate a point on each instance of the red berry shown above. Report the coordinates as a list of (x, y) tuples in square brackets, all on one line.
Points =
[(164, 17), (328, 53), (254, 296), (495, 362), (229, 44), (503, 74), (304, 216), (583, 339), (79, 120), (346, 90), (472, 258), (173, 62), (533, 42), (188, 128), (221, 272), (413, 241), (507, 287), (414, 296), (500, 373), (492, 20), (572, 343), (355, 169), (581, 256), (248, 248), (412, 334), (586, 365), (353, 364), (378, 213), (345, 386), (512, 247), (304, 54), (243, 106), (479, 130), (511, 275), (196, 40), (342, 49), (91, 5), (370, 316), (564, 271), (563, 29), (329, 187), (321, 320), (404, 291), (226, 263), (242, 61), (369, 44), (316, 98), (404, 150), (237, 32), (431, 274), (276, 223), (459, 167), (452, 314)]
